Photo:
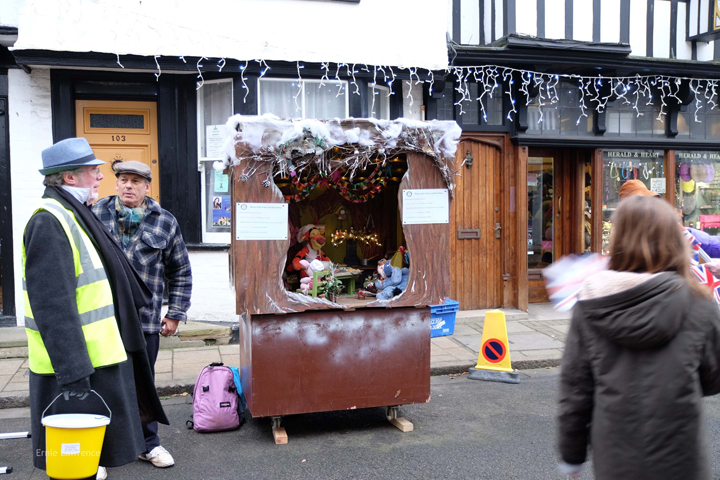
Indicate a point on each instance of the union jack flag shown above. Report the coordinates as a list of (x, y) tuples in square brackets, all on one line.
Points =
[(696, 251), (706, 278)]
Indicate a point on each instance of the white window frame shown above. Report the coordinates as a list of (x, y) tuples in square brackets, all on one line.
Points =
[(205, 163), (302, 94), (383, 92)]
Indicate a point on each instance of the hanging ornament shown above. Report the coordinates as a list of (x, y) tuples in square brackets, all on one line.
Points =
[(709, 173), (685, 172)]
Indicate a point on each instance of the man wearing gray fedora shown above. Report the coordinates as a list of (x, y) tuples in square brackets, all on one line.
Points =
[(151, 239), (86, 348)]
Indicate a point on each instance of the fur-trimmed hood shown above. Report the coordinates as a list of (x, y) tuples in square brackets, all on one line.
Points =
[(635, 310)]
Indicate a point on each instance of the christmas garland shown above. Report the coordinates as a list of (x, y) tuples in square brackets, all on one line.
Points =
[(371, 179), (355, 198), (303, 188)]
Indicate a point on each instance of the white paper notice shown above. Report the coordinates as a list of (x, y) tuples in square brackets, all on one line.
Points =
[(425, 206), (261, 221), (657, 185), (214, 141)]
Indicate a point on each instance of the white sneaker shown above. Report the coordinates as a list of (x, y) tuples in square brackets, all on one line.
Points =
[(102, 473), (159, 457)]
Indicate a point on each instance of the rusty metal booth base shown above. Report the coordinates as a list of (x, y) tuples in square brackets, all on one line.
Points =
[(322, 361)]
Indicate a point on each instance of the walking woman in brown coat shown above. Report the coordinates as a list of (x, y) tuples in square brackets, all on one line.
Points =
[(642, 350)]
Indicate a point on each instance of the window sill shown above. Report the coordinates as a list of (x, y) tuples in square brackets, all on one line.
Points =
[(208, 247)]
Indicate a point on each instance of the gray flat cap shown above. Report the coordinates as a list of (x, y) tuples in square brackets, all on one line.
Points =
[(134, 167), (68, 154)]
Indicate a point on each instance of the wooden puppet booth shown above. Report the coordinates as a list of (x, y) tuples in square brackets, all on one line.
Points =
[(340, 242)]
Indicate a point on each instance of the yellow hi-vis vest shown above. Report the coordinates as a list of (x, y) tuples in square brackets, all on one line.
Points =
[(92, 293)]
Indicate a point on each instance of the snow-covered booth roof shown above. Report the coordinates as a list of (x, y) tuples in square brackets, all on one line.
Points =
[(260, 147), (334, 145)]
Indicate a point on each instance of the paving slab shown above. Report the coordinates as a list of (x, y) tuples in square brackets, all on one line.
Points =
[(163, 366), (10, 366), (197, 356), (533, 341)]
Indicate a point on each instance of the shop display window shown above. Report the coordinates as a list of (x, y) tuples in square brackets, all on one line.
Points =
[(215, 106), (697, 189), (619, 166)]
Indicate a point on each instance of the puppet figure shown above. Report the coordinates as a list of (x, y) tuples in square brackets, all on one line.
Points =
[(306, 283), (395, 281), (312, 251)]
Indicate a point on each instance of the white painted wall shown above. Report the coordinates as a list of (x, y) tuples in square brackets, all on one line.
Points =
[(555, 18), (638, 28), (470, 22), (488, 22), (498, 18), (29, 111), (705, 51), (661, 35), (610, 21), (526, 17), (683, 47), (374, 32), (9, 11), (213, 299), (583, 20)]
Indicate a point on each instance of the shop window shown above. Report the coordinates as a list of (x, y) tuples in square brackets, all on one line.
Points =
[(380, 109), (697, 189), (304, 99), (541, 216), (708, 126), (446, 105), (215, 106), (587, 207), (473, 113), (561, 116), (622, 120), (619, 166)]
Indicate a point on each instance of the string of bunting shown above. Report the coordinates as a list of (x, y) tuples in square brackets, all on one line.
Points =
[(492, 80)]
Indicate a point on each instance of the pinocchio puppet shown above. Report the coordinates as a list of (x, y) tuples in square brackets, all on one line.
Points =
[(313, 235)]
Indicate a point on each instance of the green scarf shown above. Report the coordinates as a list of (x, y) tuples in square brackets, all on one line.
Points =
[(129, 219)]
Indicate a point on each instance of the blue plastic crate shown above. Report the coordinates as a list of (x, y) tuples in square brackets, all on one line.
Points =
[(442, 318)]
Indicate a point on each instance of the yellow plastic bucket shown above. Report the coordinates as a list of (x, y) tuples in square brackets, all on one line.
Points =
[(73, 442)]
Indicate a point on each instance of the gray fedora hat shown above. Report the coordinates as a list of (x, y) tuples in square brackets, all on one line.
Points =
[(68, 154)]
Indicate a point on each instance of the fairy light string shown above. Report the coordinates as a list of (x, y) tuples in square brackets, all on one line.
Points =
[(595, 91)]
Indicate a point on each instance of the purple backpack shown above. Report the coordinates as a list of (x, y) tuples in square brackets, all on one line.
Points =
[(216, 403)]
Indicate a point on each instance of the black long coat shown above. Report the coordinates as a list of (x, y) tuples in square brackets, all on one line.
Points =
[(51, 289), (641, 353)]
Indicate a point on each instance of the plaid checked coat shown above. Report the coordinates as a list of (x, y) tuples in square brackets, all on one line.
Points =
[(157, 251)]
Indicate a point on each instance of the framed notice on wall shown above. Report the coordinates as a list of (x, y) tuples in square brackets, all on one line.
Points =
[(261, 221), (425, 206)]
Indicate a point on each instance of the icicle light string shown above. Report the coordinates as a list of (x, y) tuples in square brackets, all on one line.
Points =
[(631, 90), (243, 68)]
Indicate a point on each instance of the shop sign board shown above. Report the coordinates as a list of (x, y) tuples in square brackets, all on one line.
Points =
[(425, 206), (261, 221)]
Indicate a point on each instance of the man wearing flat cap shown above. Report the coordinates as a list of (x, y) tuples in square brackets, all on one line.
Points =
[(152, 242), (86, 347)]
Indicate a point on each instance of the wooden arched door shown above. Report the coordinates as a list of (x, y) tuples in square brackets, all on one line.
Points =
[(476, 225)]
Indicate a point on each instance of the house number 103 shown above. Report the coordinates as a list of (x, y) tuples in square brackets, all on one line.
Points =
[(117, 138)]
